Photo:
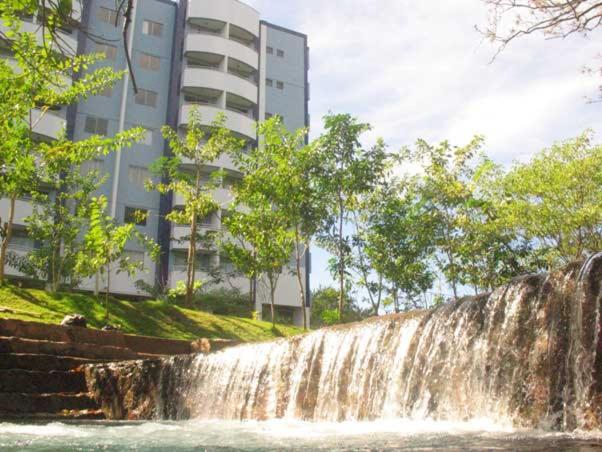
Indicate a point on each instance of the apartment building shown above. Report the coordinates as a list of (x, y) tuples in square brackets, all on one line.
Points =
[(217, 56)]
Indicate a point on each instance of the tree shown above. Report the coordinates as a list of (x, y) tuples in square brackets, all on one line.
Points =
[(104, 245), (346, 170), (324, 312), (399, 240), (512, 19), (60, 210), (262, 239), (282, 172), (199, 148), (445, 190), (263, 227), (555, 200), (41, 81)]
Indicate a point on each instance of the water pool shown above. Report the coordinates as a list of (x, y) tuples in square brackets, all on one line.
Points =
[(285, 435)]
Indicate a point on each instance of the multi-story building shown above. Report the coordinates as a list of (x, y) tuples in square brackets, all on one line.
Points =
[(218, 56)]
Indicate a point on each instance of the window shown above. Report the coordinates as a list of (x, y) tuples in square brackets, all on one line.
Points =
[(150, 62), (20, 240), (134, 257), (196, 99), (207, 220), (280, 53), (138, 176), (96, 165), (269, 82), (146, 97), (135, 216), (98, 126), (107, 92), (109, 51), (148, 137), (152, 28), (224, 219), (270, 50), (107, 15), (230, 181), (203, 262), (280, 85), (226, 264)]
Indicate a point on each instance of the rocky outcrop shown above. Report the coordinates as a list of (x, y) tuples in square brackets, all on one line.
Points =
[(529, 353), (75, 320), (126, 391)]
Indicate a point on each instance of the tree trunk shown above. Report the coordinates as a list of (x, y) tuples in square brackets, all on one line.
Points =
[(97, 284), (190, 270), (299, 280), (341, 261), (8, 230), (251, 298), (107, 292), (272, 292)]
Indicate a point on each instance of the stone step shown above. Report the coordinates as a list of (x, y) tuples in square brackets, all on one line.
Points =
[(69, 349), (18, 403), (70, 334), (65, 415), (42, 362), (36, 382)]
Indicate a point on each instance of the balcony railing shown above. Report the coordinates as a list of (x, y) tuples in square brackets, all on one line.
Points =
[(249, 44), (251, 78)]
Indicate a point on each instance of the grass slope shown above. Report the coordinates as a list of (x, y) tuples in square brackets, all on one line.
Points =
[(149, 318)]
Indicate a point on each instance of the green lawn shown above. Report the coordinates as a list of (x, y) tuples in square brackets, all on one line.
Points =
[(150, 318)]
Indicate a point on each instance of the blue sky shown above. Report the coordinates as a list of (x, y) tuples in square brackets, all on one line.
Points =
[(421, 70)]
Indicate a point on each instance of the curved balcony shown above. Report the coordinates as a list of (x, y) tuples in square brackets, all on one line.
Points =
[(232, 11), (221, 46), (178, 232), (236, 122), (217, 80), (50, 126), (23, 209), (220, 195)]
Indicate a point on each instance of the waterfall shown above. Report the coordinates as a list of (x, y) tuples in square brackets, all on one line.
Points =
[(528, 354)]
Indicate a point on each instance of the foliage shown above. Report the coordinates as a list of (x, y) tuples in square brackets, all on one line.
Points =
[(104, 245), (555, 200), (260, 242), (199, 148), (346, 170), (41, 81), (281, 174), (325, 302), (398, 240)]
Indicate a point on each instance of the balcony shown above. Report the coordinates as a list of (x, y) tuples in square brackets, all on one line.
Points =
[(232, 11), (206, 43), (221, 195), (23, 209), (236, 122), (214, 79), (49, 126)]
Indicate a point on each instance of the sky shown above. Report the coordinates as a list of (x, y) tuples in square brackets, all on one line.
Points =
[(419, 69)]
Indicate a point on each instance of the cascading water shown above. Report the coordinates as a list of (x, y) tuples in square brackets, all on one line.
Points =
[(526, 354)]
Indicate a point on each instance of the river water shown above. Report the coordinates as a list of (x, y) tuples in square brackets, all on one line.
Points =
[(277, 435)]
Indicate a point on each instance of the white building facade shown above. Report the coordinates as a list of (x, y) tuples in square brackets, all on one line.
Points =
[(215, 55)]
